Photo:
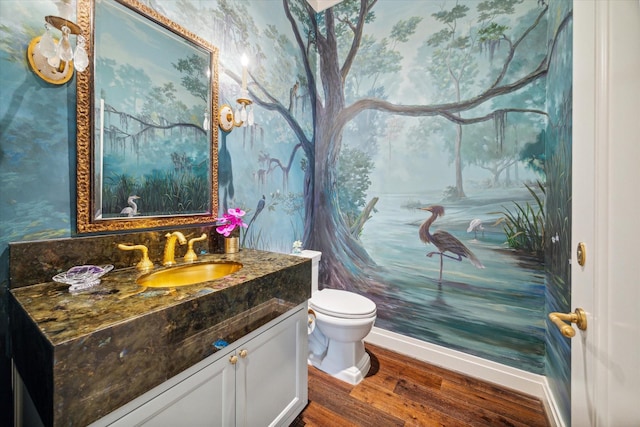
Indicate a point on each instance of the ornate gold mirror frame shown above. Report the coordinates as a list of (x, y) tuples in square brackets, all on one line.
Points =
[(142, 159)]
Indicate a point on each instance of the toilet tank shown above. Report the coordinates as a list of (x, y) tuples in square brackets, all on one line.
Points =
[(315, 262)]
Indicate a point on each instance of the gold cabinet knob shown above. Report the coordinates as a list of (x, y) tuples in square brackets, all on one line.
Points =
[(243, 353), (233, 359)]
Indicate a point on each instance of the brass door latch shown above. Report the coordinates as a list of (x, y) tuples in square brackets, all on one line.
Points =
[(579, 317), (581, 254)]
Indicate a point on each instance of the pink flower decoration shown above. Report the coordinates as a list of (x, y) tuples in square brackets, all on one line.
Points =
[(229, 221)]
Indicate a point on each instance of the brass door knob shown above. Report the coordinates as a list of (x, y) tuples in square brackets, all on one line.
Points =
[(243, 353), (579, 317), (233, 359)]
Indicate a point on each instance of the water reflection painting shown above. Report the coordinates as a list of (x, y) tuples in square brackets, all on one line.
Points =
[(152, 135)]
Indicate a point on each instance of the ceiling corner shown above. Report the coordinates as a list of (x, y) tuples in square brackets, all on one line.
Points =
[(320, 5)]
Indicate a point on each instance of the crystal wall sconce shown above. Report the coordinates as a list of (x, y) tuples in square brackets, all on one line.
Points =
[(54, 60), (243, 115)]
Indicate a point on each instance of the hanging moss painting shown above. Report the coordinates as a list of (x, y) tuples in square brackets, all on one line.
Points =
[(151, 118)]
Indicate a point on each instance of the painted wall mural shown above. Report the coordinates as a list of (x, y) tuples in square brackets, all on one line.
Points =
[(377, 130), (424, 177)]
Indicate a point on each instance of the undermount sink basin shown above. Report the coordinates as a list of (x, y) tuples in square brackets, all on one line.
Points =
[(185, 275)]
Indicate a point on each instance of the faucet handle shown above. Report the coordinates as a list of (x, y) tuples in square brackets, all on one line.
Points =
[(191, 256), (145, 263)]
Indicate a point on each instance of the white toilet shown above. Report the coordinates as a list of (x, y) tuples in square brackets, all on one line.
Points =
[(339, 321)]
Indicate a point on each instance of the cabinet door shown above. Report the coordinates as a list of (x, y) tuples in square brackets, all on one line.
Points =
[(271, 376), (206, 398)]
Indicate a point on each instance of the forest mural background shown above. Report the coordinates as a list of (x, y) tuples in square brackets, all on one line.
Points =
[(363, 115)]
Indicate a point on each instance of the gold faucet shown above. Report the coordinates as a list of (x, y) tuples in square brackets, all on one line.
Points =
[(170, 247), (191, 256), (145, 263)]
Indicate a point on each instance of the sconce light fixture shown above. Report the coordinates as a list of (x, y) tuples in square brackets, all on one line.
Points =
[(243, 115), (225, 118), (54, 60)]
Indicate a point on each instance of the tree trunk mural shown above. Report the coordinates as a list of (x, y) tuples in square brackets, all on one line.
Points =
[(346, 264)]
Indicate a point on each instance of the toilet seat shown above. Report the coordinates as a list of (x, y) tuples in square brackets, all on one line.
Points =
[(342, 304)]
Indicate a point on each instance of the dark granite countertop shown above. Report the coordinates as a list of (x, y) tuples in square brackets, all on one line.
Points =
[(83, 355), (63, 316)]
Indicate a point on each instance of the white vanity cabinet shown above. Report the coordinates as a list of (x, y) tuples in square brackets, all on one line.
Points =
[(205, 398), (259, 380)]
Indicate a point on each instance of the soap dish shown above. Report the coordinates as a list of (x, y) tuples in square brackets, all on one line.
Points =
[(82, 277)]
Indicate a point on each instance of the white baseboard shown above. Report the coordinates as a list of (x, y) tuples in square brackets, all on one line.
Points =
[(551, 406), (506, 376)]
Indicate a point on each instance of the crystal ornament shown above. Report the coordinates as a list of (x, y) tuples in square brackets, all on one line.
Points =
[(80, 58), (250, 119), (48, 47), (64, 47)]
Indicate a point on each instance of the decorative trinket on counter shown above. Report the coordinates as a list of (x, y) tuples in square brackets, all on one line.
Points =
[(229, 226), (82, 277), (220, 344)]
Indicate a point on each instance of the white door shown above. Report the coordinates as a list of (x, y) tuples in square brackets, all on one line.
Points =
[(605, 360)]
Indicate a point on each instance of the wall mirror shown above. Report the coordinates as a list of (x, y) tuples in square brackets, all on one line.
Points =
[(146, 107)]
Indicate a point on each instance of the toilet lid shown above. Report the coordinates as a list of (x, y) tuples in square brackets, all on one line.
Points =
[(343, 304)]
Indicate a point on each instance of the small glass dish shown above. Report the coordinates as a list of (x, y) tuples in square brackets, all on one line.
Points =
[(82, 277)]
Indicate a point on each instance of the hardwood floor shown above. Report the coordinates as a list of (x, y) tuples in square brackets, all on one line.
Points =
[(401, 391)]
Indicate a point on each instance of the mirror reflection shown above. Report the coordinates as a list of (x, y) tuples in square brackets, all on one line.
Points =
[(150, 133)]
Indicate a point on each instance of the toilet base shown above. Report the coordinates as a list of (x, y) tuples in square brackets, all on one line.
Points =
[(352, 374)]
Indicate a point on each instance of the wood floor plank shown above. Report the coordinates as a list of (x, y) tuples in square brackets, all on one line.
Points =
[(402, 391), (414, 413), (428, 368), (500, 393), (461, 410), (456, 381), (316, 415), (397, 366), (499, 403), (349, 408)]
